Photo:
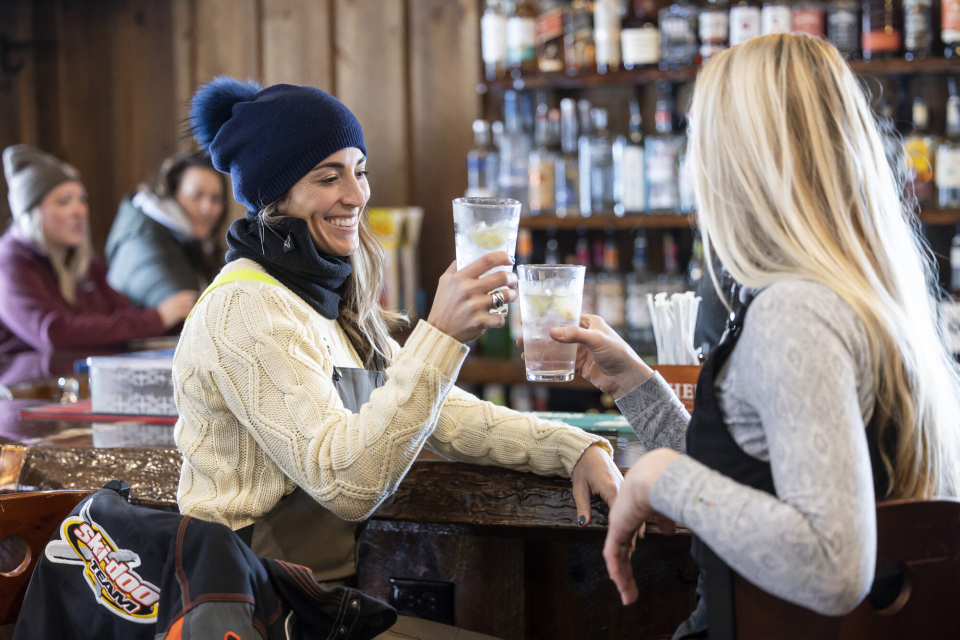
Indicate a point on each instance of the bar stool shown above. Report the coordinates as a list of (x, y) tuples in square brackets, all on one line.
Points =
[(32, 516), (916, 592)]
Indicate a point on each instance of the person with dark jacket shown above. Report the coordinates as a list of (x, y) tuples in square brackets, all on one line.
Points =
[(53, 289), (162, 240), (113, 570)]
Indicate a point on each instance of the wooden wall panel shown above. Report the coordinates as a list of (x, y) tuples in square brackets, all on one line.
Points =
[(85, 85), (184, 66), (444, 72), (13, 15), (298, 42), (144, 116), (370, 48)]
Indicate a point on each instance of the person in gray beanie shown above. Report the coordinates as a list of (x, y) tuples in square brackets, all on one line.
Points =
[(54, 289)]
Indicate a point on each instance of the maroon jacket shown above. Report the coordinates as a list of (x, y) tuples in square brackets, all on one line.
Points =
[(34, 314)]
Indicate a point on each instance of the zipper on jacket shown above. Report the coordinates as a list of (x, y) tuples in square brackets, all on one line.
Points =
[(337, 376)]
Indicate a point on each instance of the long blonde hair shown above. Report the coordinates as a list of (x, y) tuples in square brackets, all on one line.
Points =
[(70, 265), (366, 323), (791, 181)]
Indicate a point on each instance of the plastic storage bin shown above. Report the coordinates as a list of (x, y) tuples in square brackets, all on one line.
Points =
[(135, 384)]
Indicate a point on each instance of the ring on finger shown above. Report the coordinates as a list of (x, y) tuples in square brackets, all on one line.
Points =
[(498, 301)]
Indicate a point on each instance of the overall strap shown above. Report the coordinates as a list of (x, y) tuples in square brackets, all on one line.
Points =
[(245, 275)]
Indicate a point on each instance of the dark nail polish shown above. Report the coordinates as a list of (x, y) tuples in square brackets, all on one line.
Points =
[(583, 520)]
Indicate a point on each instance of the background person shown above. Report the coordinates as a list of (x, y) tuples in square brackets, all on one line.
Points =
[(832, 389), (53, 289), (162, 240)]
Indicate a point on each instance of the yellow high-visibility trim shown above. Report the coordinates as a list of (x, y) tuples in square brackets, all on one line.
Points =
[(247, 275)]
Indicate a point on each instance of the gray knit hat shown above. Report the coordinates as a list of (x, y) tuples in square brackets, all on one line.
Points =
[(31, 174)]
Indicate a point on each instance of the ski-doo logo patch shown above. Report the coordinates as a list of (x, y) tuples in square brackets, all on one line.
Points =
[(108, 569)]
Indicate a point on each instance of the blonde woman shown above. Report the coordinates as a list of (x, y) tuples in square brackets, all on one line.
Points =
[(53, 289), (299, 414), (831, 389)]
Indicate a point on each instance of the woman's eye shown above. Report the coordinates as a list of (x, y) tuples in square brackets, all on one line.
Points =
[(362, 174)]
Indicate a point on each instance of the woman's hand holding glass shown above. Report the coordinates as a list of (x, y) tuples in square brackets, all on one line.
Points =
[(461, 308), (603, 357)]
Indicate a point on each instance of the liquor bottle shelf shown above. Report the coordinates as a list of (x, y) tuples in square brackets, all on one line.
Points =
[(480, 370), (940, 216), (678, 221), (653, 221), (647, 75)]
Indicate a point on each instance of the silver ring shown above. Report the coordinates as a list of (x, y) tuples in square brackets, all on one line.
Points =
[(498, 301)]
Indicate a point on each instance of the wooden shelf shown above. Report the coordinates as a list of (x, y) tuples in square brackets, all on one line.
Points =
[(678, 221), (940, 216), (658, 221), (648, 75), (479, 370)]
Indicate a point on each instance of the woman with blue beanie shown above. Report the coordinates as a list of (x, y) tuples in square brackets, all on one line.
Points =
[(299, 414)]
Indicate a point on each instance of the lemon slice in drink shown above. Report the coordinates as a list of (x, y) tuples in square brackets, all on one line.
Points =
[(566, 307), (489, 238)]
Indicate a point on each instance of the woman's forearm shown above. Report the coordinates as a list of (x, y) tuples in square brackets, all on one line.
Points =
[(656, 415)]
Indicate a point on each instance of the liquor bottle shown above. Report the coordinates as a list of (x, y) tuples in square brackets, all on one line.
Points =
[(950, 28), (678, 35), (685, 182), (596, 167), (640, 282), (567, 178), (948, 155), (670, 281), (610, 293), (917, 28), (521, 36), (776, 17), (483, 164), (695, 266), (744, 21), (514, 153), (543, 169), (890, 138), (628, 184), (582, 251), (843, 27), (493, 39), (662, 156), (714, 23), (606, 34), (579, 49), (551, 254), (919, 148), (550, 37), (880, 36), (639, 35), (808, 17)]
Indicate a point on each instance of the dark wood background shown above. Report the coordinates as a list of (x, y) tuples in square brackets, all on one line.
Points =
[(110, 93)]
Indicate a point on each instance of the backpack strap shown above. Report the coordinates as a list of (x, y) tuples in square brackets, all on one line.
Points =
[(246, 275)]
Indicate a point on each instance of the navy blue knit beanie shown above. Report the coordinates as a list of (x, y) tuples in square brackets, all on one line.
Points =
[(267, 139)]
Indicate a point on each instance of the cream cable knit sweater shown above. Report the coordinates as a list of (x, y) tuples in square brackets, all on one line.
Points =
[(259, 414)]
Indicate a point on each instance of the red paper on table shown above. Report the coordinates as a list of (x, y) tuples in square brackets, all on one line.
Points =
[(82, 411)]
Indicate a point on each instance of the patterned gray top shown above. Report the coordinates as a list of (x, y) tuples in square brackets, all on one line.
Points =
[(798, 391)]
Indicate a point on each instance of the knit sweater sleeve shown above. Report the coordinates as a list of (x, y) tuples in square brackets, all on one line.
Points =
[(275, 380), (472, 430)]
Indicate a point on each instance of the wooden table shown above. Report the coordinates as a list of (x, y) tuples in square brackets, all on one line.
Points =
[(508, 541)]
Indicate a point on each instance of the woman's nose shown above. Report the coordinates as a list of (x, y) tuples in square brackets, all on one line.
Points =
[(353, 195)]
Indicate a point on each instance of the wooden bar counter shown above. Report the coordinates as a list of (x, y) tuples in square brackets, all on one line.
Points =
[(507, 541)]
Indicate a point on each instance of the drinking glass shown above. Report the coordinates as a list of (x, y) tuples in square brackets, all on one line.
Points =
[(550, 296), (485, 225)]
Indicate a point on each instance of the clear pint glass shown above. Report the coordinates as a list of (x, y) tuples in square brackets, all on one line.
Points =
[(485, 225), (550, 296)]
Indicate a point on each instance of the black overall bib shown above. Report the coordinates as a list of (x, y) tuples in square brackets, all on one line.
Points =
[(710, 443)]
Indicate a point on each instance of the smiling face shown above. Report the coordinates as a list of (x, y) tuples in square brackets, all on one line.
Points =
[(331, 198), (200, 194), (63, 215)]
